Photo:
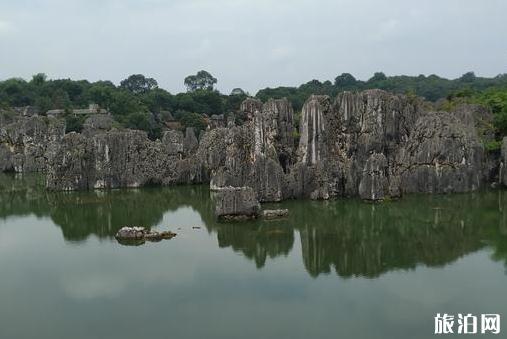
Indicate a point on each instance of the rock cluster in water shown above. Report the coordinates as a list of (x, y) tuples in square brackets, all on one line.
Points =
[(371, 144), (136, 235), (236, 203)]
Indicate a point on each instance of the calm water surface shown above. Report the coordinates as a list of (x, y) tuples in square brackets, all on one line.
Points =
[(338, 269)]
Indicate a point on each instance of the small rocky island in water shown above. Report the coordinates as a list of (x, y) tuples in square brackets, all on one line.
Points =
[(372, 144)]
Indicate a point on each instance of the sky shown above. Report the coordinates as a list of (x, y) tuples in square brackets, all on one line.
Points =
[(251, 44)]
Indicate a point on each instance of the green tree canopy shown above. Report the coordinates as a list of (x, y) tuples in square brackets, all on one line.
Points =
[(200, 81), (345, 80), (138, 83)]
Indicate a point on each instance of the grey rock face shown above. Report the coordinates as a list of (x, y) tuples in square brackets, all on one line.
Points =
[(108, 160), (503, 165), (371, 144), (256, 153), (236, 203), (250, 107), (173, 142), (127, 158), (374, 184), (442, 155), (376, 145), (97, 123), (190, 143), (25, 142)]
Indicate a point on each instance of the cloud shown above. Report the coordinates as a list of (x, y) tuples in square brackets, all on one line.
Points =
[(251, 43)]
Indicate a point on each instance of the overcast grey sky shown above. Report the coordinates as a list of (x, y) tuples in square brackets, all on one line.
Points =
[(251, 44)]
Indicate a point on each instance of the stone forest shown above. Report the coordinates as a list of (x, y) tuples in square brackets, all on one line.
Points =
[(371, 144)]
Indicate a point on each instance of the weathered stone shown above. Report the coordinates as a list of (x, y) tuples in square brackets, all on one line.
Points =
[(190, 143), (137, 235), (257, 152), (250, 107), (442, 155), (131, 233), (371, 144), (374, 184), (173, 142), (358, 146), (109, 160), (275, 214), (236, 203), (97, 123), (217, 121), (167, 234), (25, 142)]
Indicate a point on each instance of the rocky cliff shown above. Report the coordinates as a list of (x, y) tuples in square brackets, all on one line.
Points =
[(371, 144), (24, 143), (258, 152)]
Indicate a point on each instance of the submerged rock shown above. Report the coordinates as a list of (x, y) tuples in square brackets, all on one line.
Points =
[(236, 203), (137, 235), (275, 214), (131, 233)]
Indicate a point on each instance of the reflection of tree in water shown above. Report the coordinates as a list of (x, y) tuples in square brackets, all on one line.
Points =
[(497, 236), (352, 237), (22, 195), (359, 239), (102, 213)]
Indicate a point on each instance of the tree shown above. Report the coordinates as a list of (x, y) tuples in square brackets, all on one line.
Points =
[(345, 80), (378, 76), (138, 84), (201, 81), (158, 100), (468, 77), (39, 79), (194, 120), (124, 102), (73, 123), (101, 94), (237, 91)]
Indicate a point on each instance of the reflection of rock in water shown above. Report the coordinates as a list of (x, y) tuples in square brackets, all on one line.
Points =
[(255, 240), (367, 240), (349, 236)]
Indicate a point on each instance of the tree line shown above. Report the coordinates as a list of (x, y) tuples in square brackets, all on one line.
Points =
[(138, 102)]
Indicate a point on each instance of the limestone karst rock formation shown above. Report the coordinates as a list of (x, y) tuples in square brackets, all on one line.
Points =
[(442, 155), (258, 151), (233, 203), (371, 144), (25, 141)]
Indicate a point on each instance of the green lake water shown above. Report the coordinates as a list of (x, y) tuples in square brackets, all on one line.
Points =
[(333, 269)]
